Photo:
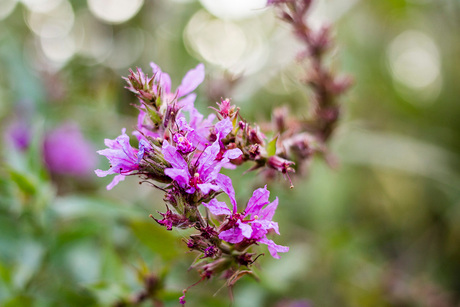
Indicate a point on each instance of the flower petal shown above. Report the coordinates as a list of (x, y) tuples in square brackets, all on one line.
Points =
[(233, 235), (246, 230), (225, 183), (187, 102), (233, 153), (268, 212), (172, 156), (161, 77), (206, 161), (257, 201), (143, 145), (115, 181), (273, 248), (267, 225), (217, 207), (101, 173), (191, 80), (206, 187), (223, 128), (181, 176)]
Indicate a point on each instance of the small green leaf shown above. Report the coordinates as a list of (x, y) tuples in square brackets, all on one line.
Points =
[(153, 115), (271, 146)]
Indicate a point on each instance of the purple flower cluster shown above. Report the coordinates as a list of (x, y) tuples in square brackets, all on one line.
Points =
[(185, 152)]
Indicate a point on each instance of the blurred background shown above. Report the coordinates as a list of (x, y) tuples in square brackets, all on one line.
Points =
[(382, 229)]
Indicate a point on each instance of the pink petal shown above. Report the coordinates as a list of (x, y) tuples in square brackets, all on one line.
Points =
[(257, 201), (232, 235), (225, 183), (217, 207), (115, 181), (273, 248), (268, 212), (246, 229), (191, 80), (206, 187)]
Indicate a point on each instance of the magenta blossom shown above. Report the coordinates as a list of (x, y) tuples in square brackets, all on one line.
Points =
[(67, 152), (251, 225), (203, 173), (124, 159), (199, 125)]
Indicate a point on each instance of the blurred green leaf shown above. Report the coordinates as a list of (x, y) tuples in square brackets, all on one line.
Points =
[(77, 206), (28, 259), (25, 182), (107, 293), (19, 301), (160, 241)]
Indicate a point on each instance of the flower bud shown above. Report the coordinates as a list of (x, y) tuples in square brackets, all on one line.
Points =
[(255, 136), (226, 109), (280, 164), (279, 119), (171, 220)]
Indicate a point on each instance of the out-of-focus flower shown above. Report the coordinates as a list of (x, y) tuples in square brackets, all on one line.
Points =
[(67, 152), (18, 134), (294, 303)]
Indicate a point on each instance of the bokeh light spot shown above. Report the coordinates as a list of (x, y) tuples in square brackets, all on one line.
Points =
[(219, 42), (97, 37), (41, 6), (114, 11), (414, 63), (56, 22), (234, 9), (6, 7), (59, 49), (127, 47)]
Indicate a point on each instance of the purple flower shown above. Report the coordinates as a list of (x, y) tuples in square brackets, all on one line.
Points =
[(190, 82), (124, 159), (253, 224), (66, 151), (201, 127), (185, 137), (183, 144), (203, 173), (18, 134)]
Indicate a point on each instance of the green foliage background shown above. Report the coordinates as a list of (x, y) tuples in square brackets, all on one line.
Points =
[(382, 229)]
